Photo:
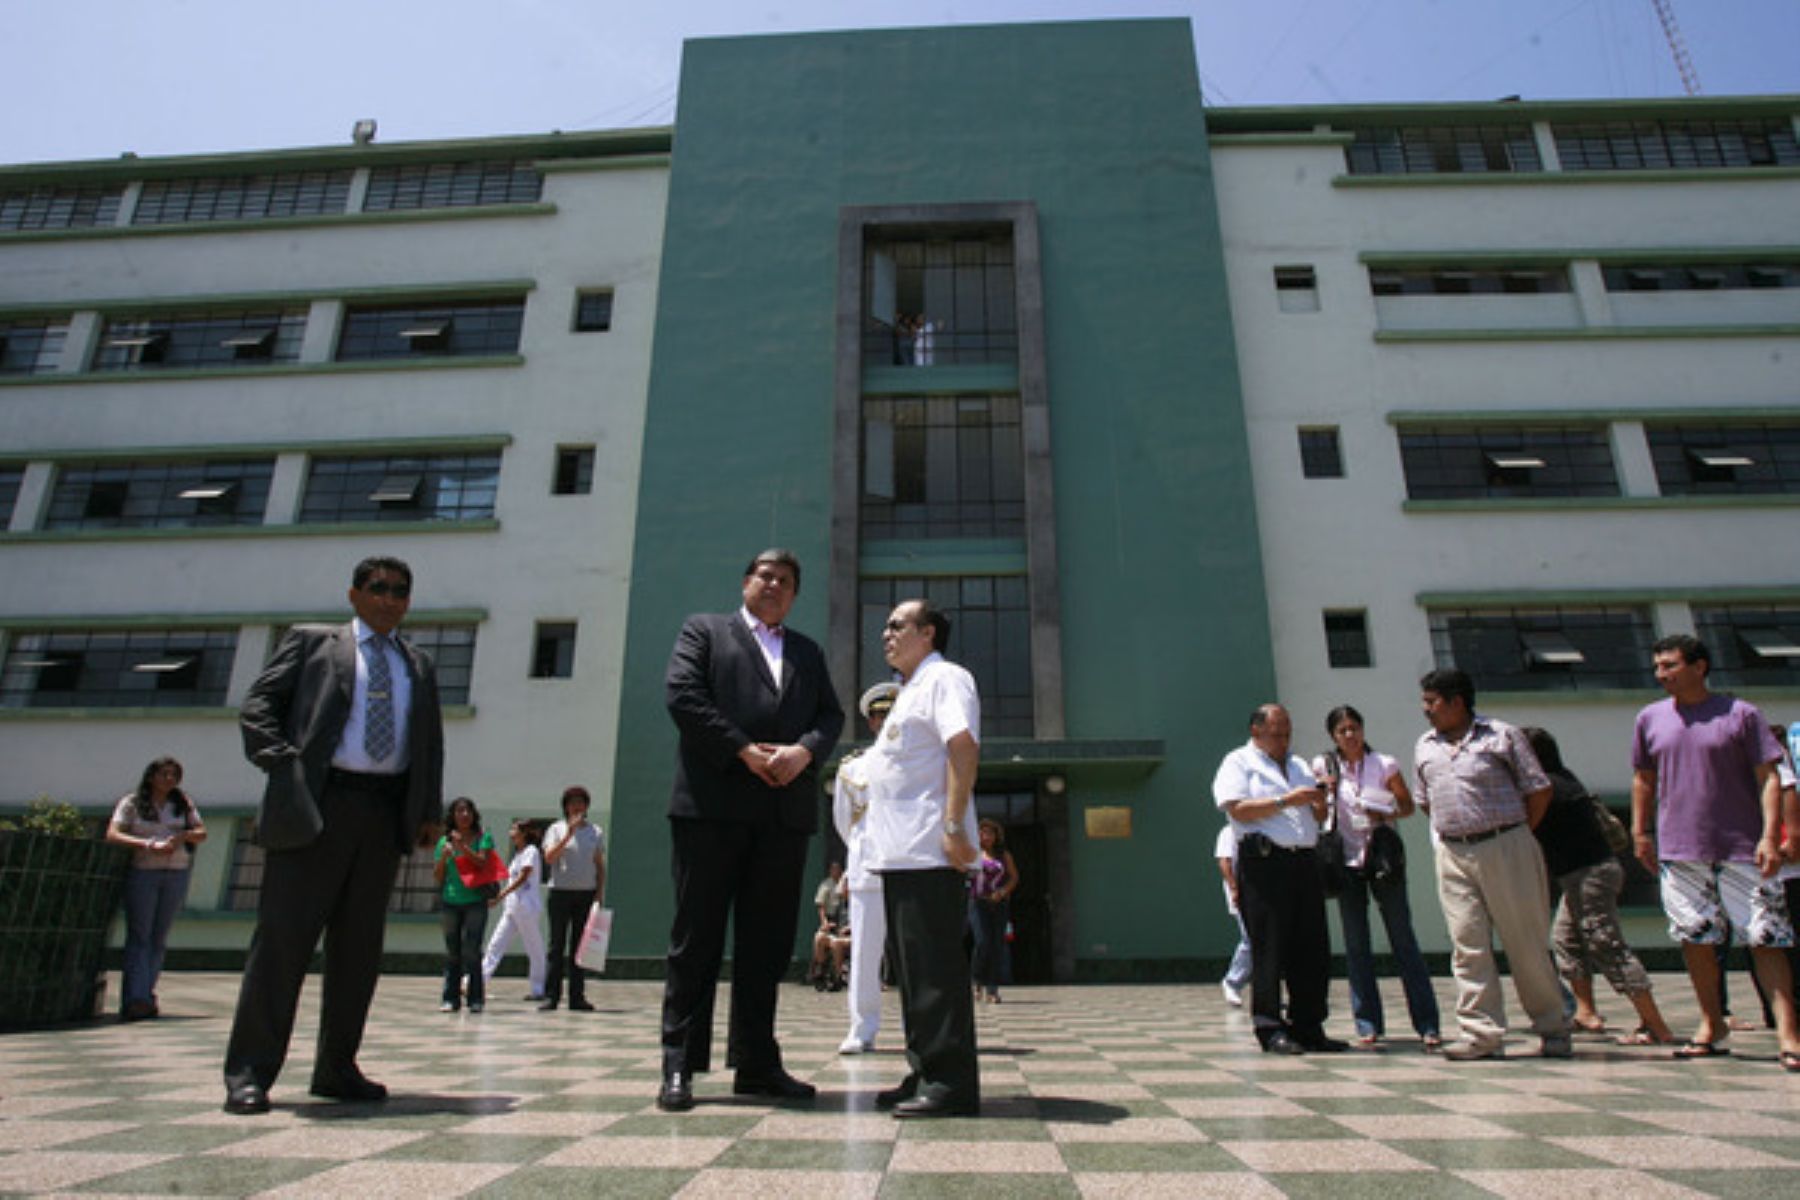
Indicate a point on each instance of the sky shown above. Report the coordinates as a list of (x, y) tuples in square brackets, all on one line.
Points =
[(97, 78)]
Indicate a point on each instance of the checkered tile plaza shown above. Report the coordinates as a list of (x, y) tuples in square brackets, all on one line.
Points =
[(1130, 1091)]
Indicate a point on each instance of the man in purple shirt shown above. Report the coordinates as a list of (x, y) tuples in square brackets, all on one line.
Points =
[(1704, 765)]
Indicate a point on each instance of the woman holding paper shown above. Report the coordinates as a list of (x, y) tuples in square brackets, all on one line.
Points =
[(463, 850), (1369, 795)]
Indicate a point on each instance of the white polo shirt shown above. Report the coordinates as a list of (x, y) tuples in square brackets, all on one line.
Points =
[(1249, 774), (907, 768)]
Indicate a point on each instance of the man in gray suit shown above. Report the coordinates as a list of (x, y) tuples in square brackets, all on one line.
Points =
[(758, 717), (345, 720)]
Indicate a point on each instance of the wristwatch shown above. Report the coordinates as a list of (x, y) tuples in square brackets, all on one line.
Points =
[(951, 827)]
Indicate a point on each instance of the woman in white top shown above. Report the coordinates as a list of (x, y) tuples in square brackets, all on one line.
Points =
[(1369, 795), (158, 822), (522, 903)]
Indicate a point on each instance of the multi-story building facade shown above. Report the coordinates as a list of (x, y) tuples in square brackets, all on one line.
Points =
[(1174, 410)]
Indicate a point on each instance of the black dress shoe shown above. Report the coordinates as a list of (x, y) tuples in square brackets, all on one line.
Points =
[(246, 1099), (936, 1106), (677, 1094), (579, 1004), (548, 1005), (356, 1089), (777, 1083), (1281, 1043), (909, 1087), (1318, 1043)]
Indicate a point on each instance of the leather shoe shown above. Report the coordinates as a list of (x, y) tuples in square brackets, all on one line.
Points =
[(548, 1005), (246, 1099), (777, 1083), (929, 1105), (1281, 1043), (579, 1004), (356, 1089), (677, 1094), (1320, 1044), (909, 1087)]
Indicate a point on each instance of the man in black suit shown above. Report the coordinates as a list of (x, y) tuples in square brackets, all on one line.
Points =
[(345, 720), (757, 716)]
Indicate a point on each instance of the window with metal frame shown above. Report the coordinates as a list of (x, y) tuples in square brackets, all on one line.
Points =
[(461, 328), (32, 347), (148, 668), (1452, 280), (1699, 277), (939, 299), (452, 651), (415, 890), (165, 341), (553, 650), (1546, 649), (942, 467), (574, 471), (1321, 455), (1676, 145), (1506, 462), (1347, 638), (242, 197), (11, 480), (1442, 149), (159, 494), (593, 310), (401, 487), (53, 207), (1750, 645), (453, 185), (1726, 459), (990, 636)]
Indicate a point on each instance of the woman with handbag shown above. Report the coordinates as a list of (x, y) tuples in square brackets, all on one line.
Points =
[(160, 825), (464, 873), (1368, 798)]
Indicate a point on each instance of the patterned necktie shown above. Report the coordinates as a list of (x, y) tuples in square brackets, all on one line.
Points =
[(378, 714)]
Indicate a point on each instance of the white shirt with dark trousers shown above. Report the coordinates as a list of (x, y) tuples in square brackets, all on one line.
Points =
[(1280, 895), (908, 787)]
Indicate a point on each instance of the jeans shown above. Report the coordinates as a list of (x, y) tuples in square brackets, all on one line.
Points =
[(1237, 975), (464, 927), (152, 898), (987, 921), (1359, 956)]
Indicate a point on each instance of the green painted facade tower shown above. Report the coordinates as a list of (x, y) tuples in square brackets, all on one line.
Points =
[(1060, 461)]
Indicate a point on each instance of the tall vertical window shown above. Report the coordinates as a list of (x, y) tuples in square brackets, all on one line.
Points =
[(1347, 639), (11, 480), (553, 650), (574, 471), (942, 467), (1320, 455), (937, 301), (31, 347), (990, 636)]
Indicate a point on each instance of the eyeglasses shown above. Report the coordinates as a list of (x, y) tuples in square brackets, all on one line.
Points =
[(399, 591), (899, 626)]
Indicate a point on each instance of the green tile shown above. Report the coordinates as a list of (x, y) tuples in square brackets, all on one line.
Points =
[(1368, 1106), (1574, 1124), (1781, 1147), (156, 1139), (1735, 1185), (1376, 1185), (978, 1187), (583, 1183), (487, 1147), (1491, 1154), (1147, 1156), (584, 1104), (698, 1123), (216, 1175), (786, 1155), (1267, 1129)]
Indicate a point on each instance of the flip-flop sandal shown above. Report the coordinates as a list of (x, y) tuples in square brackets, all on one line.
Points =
[(1790, 1061), (1641, 1036), (1596, 1027), (1692, 1049)]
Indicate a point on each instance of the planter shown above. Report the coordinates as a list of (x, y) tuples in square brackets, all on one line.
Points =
[(57, 900)]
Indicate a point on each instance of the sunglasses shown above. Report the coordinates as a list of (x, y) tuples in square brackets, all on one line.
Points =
[(399, 591)]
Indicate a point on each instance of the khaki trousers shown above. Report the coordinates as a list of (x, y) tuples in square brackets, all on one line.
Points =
[(1499, 886)]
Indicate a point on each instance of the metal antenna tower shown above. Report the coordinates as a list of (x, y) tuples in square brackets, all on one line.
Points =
[(1684, 63)]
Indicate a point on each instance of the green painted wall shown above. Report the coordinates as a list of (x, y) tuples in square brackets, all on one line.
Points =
[(1165, 627)]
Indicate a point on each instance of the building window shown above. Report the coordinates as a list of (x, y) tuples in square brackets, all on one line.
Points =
[(452, 650), (59, 207), (439, 487), (1320, 455), (148, 668), (942, 467), (11, 480), (1296, 289), (1662, 145), (212, 339), (242, 197), (574, 471), (936, 301), (453, 185), (553, 650), (415, 888), (1347, 639), (1539, 650), (1698, 460), (1430, 150), (1699, 277), (469, 328), (31, 347), (1468, 281), (155, 495), (593, 311), (990, 636), (1751, 645), (1500, 462)]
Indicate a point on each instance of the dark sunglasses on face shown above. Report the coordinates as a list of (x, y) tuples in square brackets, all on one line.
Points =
[(399, 591)]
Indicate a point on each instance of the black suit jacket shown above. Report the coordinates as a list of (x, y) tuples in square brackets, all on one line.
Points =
[(293, 719), (723, 698)]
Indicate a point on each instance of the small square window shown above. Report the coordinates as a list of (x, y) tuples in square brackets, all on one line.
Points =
[(1347, 639), (574, 471), (1320, 455), (593, 311), (553, 652), (1296, 289)]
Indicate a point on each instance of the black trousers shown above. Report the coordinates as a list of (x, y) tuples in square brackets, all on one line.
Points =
[(338, 887), (568, 910), (750, 874), (926, 914), (1282, 898)]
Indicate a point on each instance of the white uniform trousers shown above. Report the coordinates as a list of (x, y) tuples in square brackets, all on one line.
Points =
[(531, 936), (868, 936)]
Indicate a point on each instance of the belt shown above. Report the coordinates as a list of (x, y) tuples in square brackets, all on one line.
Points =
[(1469, 839), (364, 781), (1261, 845)]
